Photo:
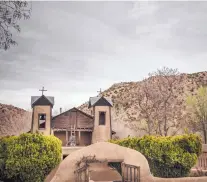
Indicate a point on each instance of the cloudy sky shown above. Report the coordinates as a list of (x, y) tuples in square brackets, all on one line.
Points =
[(75, 48)]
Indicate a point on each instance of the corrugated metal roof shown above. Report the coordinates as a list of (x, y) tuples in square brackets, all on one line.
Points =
[(35, 98), (93, 100)]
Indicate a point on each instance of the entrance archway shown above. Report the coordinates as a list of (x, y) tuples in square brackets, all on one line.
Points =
[(103, 151)]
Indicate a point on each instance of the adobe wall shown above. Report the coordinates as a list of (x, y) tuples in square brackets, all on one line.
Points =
[(40, 110), (102, 151), (204, 147), (111, 152), (101, 132)]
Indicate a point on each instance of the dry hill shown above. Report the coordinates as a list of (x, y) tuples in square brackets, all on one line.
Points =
[(13, 120), (126, 108)]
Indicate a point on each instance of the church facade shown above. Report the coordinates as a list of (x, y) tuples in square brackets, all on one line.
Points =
[(73, 127)]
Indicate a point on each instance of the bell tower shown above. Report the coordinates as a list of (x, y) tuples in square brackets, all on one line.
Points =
[(101, 109), (42, 113)]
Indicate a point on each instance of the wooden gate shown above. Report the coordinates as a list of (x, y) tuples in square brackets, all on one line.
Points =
[(130, 173), (81, 174)]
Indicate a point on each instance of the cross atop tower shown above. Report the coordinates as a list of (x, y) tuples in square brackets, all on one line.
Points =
[(43, 89), (99, 91)]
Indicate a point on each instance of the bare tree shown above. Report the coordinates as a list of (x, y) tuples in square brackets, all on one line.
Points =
[(158, 103), (148, 105), (10, 13), (167, 86)]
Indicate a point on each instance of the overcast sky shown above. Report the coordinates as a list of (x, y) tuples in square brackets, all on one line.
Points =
[(74, 48)]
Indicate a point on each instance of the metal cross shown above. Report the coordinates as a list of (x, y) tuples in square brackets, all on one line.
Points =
[(42, 90), (99, 91)]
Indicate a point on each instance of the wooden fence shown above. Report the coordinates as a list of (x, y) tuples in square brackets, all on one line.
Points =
[(130, 173), (202, 161)]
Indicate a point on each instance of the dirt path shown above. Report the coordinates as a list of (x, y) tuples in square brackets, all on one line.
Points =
[(102, 172)]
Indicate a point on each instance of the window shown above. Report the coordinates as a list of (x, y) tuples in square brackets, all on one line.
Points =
[(42, 121), (102, 118)]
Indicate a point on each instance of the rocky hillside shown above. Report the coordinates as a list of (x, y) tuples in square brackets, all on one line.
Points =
[(13, 120), (126, 108)]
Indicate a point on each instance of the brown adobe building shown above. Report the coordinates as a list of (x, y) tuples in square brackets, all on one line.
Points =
[(73, 127)]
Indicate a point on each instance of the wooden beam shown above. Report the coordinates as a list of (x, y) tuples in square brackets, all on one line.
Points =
[(66, 139), (79, 137), (59, 129), (78, 129), (89, 130)]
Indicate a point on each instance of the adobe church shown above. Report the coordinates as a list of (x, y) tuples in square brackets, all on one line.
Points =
[(73, 127)]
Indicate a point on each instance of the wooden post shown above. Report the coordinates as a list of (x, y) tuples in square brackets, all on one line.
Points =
[(66, 137), (79, 137)]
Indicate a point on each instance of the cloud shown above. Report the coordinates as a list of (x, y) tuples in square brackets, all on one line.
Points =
[(74, 48)]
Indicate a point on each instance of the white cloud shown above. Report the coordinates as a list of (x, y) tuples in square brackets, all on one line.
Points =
[(74, 48)]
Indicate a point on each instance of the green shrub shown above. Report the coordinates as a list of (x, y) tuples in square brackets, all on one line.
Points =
[(3, 156), (28, 157), (167, 156)]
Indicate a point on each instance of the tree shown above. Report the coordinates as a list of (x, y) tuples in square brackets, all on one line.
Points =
[(197, 111), (167, 86), (148, 105), (10, 13), (158, 103)]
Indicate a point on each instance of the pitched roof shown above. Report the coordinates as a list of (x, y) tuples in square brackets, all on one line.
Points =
[(36, 98), (94, 100), (74, 108), (70, 117)]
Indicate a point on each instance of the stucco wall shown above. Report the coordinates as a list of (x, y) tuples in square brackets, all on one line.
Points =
[(101, 132), (102, 151), (111, 152), (42, 110)]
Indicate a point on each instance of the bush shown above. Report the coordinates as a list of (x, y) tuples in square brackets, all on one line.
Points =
[(168, 157), (3, 156), (28, 157)]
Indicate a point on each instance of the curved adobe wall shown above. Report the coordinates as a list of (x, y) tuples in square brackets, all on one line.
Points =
[(111, 152), (102, 151)]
